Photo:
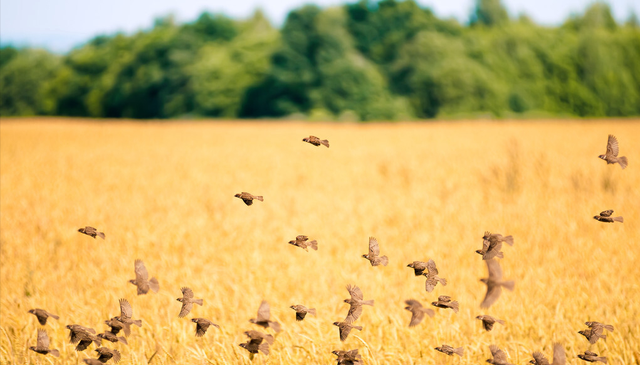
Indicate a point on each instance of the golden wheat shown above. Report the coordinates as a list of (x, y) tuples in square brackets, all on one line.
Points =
[(164, 192)]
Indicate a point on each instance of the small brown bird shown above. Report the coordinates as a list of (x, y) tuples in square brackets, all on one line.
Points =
[(112, 337), (492, 244), (301, 311), (188, 301), (417, 311), (356, 302), (42, 315), (418, 267), (374, 254), (597, 326), (499, 356), (348, 357), (42, 346), (611, 156), (264, 314), (432, 277), (248, 198), (445, 302), (107, 354), (142, 280), (302, 241), (607, 218), (86, 339), (446, 349), (592, 335), (258, 341), (494, 283), (316, 141), (77, 333), (345, 328), (559, 356), (592, 357), (90, 231), (202, 325), (126, 313), (488, 322), (117, 326), (488, 236)]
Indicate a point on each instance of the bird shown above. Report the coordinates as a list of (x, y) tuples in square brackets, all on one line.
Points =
[(606, 217), (258, 341), (432, 277), (494, 283), (350, 357), (611, 156), (417, 311), (499, 356), (488, 321), (418, 267), (263, 318), (301, 311), (248, 198), (107, 354), (90, 231), (592, 335), (126, 313), (187, 301), (559, 356), (445, 302), (345, 328), (86, 339), (202, 325), (303, 242), (42, 315), (488, 236), (492, 244), (42, 346), (112, 337), (374, 254), (316, 141), (592, 357), (117, 326), (142, 280), (599, 326), (77, 333), (356, 303), (446, 349)]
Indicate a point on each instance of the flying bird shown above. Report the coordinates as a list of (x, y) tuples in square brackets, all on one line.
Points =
[(263, 318), (607, 218), (418, 267), (444, 301), (432, 277), (599, 326), (559, 356), (301, 311), (142, 280), (126, 313), (112, 337), (316, 141), (202, 325), (592, 335), (417, 311), (592, 357), (42, 346), (117, 326), (86, 339), (611, 156), (90, 231), (248, 198), (488, 236), (356, 302), (42, 315), (187, 301), (107, 354), (446, 349), (374, 254), (492, 244), (347, 357), (345, 328), (494, 283), (499, 356), (303, 242), (488, 322), (258, 341), (77, 333)]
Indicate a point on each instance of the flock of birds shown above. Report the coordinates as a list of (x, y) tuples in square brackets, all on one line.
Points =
[(83, 337)]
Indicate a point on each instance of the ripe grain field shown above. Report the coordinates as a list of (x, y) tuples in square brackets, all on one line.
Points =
[(164, 193)]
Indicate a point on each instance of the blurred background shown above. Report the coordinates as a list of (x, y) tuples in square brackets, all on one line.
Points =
[(347, 61)]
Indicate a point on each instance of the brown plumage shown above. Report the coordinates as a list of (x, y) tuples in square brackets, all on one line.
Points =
[(417, 311), (187, 301), (248, 198), (432, 277), (418, 267), (86, 339), (78, 332), (611, 156), (348, 357), (606, 217), (303, 242), (90, 231), (356, 302), (263, 318), (499, 356), (597, 326), (559, 356), (592, 336), (42, 346), (494, 283), (446, 349), (374, 254), (445, 302), (126, 313), (345, 328), (258, 341), (117, 326), (42, 315), (316, 141), (301, 311), (142, 280), (202, 325), (112, 337), (491, 237), (592, 357), (492, 244), (488, 322), (107, 354)]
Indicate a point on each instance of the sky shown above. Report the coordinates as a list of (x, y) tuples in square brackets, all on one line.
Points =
[(60, 25)]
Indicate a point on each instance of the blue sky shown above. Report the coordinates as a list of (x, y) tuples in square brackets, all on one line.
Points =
[(62, 24)]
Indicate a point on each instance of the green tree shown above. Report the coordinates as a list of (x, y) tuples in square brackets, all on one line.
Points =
[(489, 13)]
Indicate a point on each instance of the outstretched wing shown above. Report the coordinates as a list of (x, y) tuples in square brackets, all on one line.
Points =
[(125, 309), (355, 292), (495, 271), (499, 356), (264, 312), (606, 213), (43, 339), (612, 146), (559, 356), (141, 272), (187, 293), (374, 248), (431, 268)]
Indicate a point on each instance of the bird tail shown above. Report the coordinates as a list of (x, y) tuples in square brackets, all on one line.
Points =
[(601, 359), (442, 281), (123, 340), (312, 311), (500, 255), (138, 322), (368, 302), (275, 326), (455, 306), (608, 327), (56, 317), (359, 328), (55, 353), (509, 240), (459, 351), (264, 348), (618, 219), (326, 143), (199, 302), (621, 160), (509, 285), (101, 235), (269, 339), (604, 337), (259, 198), (384, 260), (154, 285), (501, 321), (314, 245)]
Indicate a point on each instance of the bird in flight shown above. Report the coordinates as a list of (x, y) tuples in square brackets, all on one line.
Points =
[(607, 218), (611, 156), (90, 231), (142, 280), (374, 254), (494, 283), (248, 198), (316, 141)]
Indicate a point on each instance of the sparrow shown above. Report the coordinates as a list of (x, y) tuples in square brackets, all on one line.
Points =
[(42, 315), (417, 311), (126, 313), (302, 242), (248, 198), (446, 349), (607, 218), (497, 237), (187, 301), (374, 254), (559, 357), (117, 326), (444, 301), (592, 357), (488, 322), (142, 279), (264, 313), (593, 335), (202, 325), (90, 231), (356, 303), (599, 326), (111, 337), (258, 341), (494, 283), (348, 357), (42, 346), (611, 156), (432, 277), (316, 141), (499, 356), (345, 327), (78, 332), (418, 267), (86, 339), (301, 311), (107, 354), (492, 244)]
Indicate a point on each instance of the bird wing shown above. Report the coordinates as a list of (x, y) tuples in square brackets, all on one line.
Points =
[(125, 309), (186, 308), (142, 275), (264, 312), (374, 247), (606, 213), (201, 327), (539, 358), (498, 355), (495, 271), (559, 356), (417, 315), (612, 146), (187, 293), (413, 303), (444, 298), (355, 292), (355, 311), (431, 268), (344, 332), (43, 339), (430, 284), (301, 237), (493, 293)]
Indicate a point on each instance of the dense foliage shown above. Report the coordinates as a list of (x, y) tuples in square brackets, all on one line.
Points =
[(362, 61)]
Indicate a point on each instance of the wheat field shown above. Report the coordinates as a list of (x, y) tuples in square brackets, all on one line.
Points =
[(164, 192)]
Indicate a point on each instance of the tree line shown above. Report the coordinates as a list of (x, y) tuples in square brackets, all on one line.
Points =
[(384, 60)]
